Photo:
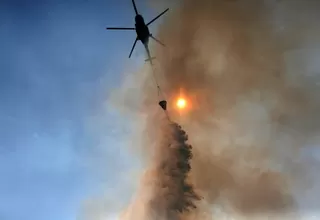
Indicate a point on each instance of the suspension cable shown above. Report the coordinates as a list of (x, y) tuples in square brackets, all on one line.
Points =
[(160, 92), (154, 75)]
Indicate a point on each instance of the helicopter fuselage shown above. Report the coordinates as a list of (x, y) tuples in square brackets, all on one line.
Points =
[(142, 29)]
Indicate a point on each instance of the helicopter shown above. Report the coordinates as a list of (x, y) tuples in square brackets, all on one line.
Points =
[(142, 31)]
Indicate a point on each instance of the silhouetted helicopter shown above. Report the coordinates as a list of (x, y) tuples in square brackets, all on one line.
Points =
[(142, 31)]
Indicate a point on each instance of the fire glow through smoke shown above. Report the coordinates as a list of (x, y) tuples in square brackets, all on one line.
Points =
[(181, 103)]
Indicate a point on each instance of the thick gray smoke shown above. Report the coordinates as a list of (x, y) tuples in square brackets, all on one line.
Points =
[(249, 115)]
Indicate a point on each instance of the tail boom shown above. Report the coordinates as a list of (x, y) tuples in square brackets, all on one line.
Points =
[(150, 59)]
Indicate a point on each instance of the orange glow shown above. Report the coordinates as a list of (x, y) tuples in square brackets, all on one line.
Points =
[(181, 103)]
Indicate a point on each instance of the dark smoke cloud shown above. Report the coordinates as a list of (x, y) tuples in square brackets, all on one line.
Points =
[(229, 59), (250, 117)]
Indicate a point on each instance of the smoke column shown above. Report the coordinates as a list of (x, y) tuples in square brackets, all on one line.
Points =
[(250, 118)]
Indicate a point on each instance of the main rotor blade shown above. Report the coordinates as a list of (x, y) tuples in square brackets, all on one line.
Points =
[(119, 28), (158, 16), (134, 6), (158, 41), (134, 44)]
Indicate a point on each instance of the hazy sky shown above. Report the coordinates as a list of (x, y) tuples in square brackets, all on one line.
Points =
[(57, 65)]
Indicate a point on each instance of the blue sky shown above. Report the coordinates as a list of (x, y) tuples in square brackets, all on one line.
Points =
[(58, 64)]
